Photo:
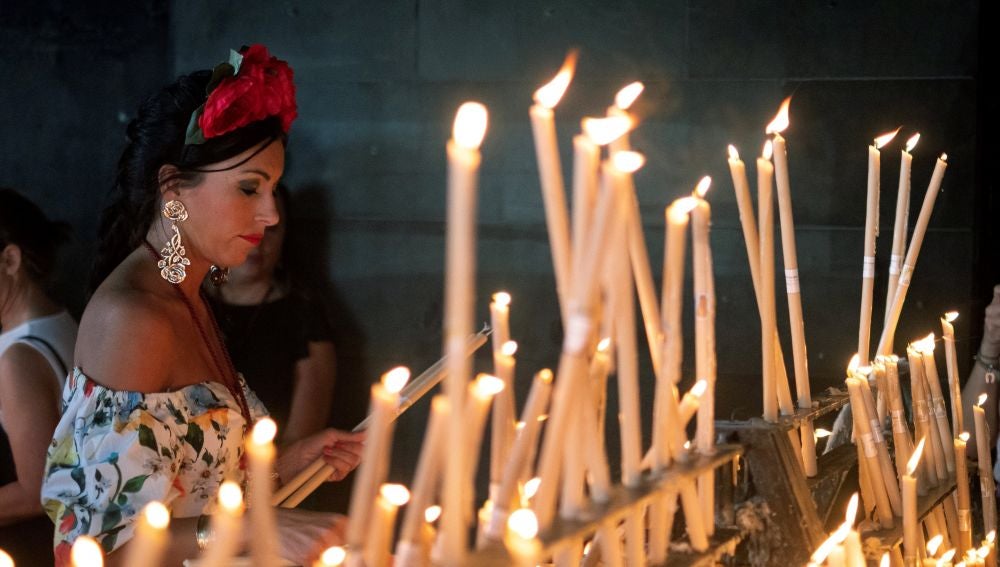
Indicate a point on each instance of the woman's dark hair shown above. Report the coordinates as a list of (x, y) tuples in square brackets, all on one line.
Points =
[(155, 137), (23, 224)]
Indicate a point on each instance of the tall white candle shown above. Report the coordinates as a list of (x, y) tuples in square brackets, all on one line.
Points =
[(86, 552), (260, 453), (792, 287), (226, 526), (902, 218), (951, 361), (543, 128), (460, 269), (768, 313), (912, 253), (151, 536), (911, 523)]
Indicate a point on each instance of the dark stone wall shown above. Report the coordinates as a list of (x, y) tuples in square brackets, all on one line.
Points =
[(378, 85)]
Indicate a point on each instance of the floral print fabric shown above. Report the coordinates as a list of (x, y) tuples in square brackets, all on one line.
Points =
[(115, 451)]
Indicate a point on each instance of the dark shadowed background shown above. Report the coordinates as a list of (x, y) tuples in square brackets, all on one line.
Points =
[(378, 84)]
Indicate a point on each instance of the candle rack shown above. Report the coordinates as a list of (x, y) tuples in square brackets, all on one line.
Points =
[(877, 542), (796, 507), (625, 501)]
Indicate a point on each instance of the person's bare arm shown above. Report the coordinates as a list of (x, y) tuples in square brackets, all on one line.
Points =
[(313, 392), (977, 384), (29, 400)]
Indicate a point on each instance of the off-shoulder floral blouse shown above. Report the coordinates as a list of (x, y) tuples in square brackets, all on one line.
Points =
[(115, 451)]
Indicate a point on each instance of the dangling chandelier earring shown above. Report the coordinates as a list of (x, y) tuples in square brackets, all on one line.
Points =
[(172, 264)]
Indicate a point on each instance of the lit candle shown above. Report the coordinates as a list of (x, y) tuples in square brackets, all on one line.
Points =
[(871, 233), (853, 554), (151, 536), (226, 527), (460, 273), (521, 541), (260, 453), (543, 127), (911, 523), (801, 363), (962, 488), (410, 551), (870, 452), (374, 457), (985, 464), (5, 559), (333, 556), (86, 552), (768, 313), (502, 428), (902, 219), (937, 401), (500, 319), (912, 252), (951, 363), (383, 522), (481, 393)]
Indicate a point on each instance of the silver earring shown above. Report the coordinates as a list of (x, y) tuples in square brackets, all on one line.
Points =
[(173, 263)]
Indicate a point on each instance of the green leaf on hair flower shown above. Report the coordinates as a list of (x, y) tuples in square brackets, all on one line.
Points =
[(235, 59), (194, 134)]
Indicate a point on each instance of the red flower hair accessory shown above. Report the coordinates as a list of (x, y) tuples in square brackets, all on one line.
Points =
[(251, 86)]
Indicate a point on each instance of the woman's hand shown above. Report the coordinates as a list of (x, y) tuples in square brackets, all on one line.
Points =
[(304, 535), (340, 449)]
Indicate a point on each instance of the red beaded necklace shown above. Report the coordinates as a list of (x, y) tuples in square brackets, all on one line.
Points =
[(227, 370)]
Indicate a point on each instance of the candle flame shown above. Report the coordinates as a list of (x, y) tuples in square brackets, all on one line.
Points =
[(6, 560), (951, 316), (545, 375), (780, 121), (964, 436), (983, 552), (86, 552), (947, 557), (470, 125), (531, 487), (509, 348), (395, 494), (703, 186), (523, 523), (603, 131), (551, 93), (825, 549), (991, 537), (687, 445), (230, 496), (852, 366), (432, 513), (263, 431), (699, 388), (884, 139), (395, 379), (627, 95), (587, 546), (911, 465), (604, 344), (912, 142), (885, 561), (852, 510), (768, 150), (333, 556), (628, 161), (679, 209), (487, 386), (925, 345), (982, 399), (501, 299), (934, 543), (157, 515), (944, 157), (733, 154), (542, 417), (821, 433), (519, 425)]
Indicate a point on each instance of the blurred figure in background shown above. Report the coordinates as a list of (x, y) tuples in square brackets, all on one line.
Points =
[(278, 332), (37, 337)]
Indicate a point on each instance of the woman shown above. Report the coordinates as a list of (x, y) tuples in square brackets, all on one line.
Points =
[(278, 333), (154, 409), (36, 346)]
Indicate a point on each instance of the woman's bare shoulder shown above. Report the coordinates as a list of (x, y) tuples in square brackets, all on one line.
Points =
[(126, 338)]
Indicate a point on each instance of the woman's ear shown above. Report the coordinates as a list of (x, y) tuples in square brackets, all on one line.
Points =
[(169, 181), (10, 259)]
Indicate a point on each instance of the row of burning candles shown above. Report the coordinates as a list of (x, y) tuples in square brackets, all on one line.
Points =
[(944, 460)]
